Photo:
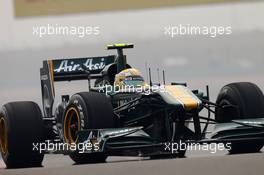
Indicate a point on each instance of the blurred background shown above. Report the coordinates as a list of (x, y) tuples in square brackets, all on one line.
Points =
[(199, 60)]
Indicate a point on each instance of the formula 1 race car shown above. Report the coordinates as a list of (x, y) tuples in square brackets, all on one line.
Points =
[(123, 115)]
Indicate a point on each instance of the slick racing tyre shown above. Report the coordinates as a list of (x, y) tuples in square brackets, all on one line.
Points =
[(249, 100), (21, 125), (87, 110)]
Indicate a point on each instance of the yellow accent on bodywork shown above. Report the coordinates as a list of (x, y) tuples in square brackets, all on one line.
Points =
[(183, 96), (119, 45), (50, 63)]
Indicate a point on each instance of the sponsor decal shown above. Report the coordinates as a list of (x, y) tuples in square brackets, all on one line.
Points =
[(71, 66), (77, 65)]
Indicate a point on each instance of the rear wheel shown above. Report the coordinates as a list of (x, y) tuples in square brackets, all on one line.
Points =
[(249, 102), (87, 110), (21, 125)]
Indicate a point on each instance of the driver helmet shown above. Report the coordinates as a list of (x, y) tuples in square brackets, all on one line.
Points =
[(129, 77)]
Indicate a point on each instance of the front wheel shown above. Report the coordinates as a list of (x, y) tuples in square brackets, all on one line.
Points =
[(249, 102), (87, 110)]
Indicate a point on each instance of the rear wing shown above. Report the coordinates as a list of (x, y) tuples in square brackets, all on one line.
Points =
[(73, 69), (76, 69), (67, 70)]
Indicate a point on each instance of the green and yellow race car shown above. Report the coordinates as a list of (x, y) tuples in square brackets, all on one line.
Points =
[(123, 114)]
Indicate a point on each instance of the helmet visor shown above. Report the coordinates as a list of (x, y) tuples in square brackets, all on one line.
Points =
[(134, 81)]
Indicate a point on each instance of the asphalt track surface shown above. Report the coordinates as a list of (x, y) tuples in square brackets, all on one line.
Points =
[(196, 162)]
